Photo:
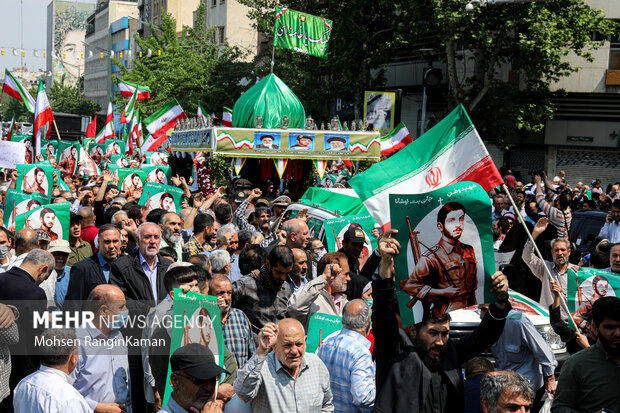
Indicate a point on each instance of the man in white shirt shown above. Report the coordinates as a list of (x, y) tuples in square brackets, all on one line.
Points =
[(611, 229), (50, 390)]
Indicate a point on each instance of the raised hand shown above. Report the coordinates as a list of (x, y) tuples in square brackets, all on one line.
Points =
[(267, 339)]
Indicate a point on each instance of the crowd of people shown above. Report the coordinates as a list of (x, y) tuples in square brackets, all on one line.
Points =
[(270, 274)]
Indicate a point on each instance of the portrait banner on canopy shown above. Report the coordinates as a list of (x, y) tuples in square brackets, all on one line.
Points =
[(52, 218), (18, 203), (35, 178), (286, 144), (320, 327), (131, 181), (166, 197), (158, 174), (336, 228), (586, 286), (68, 159), (196, 319), (49, 148), (446, 259)]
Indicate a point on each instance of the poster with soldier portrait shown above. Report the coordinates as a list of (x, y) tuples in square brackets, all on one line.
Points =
[(584, 288), (199, 322), (18, 203), (113, 147), (156, 158), (120, 161), (336, 229), (131, 181), (48, 149), (68, 157), (158, 174), (97, 152), (52, 218), (35, 178), (446, 259), (166, 197)]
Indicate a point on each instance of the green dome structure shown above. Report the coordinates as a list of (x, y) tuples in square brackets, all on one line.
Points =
[(271, 99)]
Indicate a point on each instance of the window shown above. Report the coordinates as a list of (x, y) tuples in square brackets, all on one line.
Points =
[(614, 52), (213, 3), (221, 33)]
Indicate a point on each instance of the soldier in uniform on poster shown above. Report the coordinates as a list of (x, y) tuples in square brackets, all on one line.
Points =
[(445, 276)]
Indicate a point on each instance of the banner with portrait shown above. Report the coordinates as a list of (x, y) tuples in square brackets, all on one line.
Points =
[(156, 158), (131, 181), (166, 197), (586, 286), (97, 152), (52, 218), (446, 259), (26, 140), (379, 110), (18, 203), (335, 229), (49, 148), (119, 160), (113, 147), (68, 157), (35, 178), (196, 319), (158, 174)]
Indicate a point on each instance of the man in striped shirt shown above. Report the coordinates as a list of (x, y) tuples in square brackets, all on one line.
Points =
[(560, 216)]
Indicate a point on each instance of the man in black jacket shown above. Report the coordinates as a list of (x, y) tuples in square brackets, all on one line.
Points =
[(423, 373)]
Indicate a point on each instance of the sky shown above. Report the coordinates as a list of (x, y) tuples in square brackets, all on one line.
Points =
[(34, 33)]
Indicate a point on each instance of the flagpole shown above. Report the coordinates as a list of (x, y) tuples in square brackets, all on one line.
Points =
[(273, 49), (563, 300), (56, 127)]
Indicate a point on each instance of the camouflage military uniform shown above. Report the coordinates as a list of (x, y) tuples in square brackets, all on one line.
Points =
[(445, 265)]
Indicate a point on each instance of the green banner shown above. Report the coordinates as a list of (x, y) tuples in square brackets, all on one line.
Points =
[(158, 174), (131, 181), (120, 161), (27, 141), (53, 218), (446, 259), (585, 287), (156, 196), (342, 201), (113, 147), (319, 328), (68, 159), (196, 319), (97, 152), (49, 148), (156, 158), (18, 203), (336, 227), (302, 32), (35, 178)]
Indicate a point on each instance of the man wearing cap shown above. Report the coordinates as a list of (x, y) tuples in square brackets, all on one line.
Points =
[(60, 250), (354, 247), (267, 143), (337, 143), (278, 206), (194, 374), (80, 249)]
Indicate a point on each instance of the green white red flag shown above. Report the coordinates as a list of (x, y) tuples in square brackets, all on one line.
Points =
[(227, 117), (133, 134), (11, 129), (15, 89), (450, 152), (238, 164), (280, 166), (130, 108), (128, 89), (43, 115), (320, 166), (165, 118), (397, 139), (201, 113), (108, 130)]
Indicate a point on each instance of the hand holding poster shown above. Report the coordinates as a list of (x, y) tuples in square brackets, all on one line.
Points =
[(584, 288), (446, 261), (161, 196), (52, 218), (336, 229), (18, 203), (131, 181), (35, 178)]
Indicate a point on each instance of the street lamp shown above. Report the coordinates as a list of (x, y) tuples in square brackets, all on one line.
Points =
[(483, 3)]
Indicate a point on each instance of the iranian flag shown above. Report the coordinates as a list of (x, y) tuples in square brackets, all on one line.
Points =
[(165, 118), (11, 128), (108, 130), (15, 89), (130, 109), (42, 116), (227, 117), (128, 89), (450, 152), (133, 134), (91, 131), (201, 113), (395, 140)]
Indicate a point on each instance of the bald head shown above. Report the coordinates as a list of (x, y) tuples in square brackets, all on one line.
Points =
[(106, 292), (105, 299), (88, 216), (297, 233), (290, 325), (25, 240)]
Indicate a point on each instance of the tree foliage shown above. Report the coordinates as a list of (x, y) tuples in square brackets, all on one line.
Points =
[(191, 68), (68, 99)]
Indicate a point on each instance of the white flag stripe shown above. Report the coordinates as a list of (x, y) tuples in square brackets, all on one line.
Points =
[(167, 117)]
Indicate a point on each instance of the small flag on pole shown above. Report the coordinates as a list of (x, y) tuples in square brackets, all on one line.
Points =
[(91, 131), (227, 117), (15, 89), (320, 166), (238, 162), (42, 116), (397, 139), (280, 166), (201, 113), (302, 32), (128, 89)]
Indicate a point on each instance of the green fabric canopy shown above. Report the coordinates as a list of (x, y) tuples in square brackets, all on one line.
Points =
[(271, 99)]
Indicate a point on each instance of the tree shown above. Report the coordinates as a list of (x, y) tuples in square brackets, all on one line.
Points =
[(68, 99), (191, 68)]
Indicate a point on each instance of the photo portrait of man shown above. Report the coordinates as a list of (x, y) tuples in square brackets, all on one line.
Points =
[(159, 158), (29, 151), (132, 184), (302, 142), (49, 150), (379, 110), (337, 143), (266, 142), (96, 153), (166, 201), (445, 277), (157, 176), (585, 299), (48, 218), (68, 161), (35, 181), (113, 149)]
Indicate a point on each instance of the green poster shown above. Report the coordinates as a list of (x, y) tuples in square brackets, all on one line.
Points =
[(336, 227), (446, 259), (113, 147), (53, 218), (68, 159), (131, 181), (319, 328), (27, 141), (159, 174), (37, 178), (302, 32), (196, 319), (97, 152), (18, 203), (156, 158), (120, 161), (156, 196), (48, 148), (585, 287), (87, 143)]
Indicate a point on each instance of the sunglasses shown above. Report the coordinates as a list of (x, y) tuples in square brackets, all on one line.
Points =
[(197, 382)]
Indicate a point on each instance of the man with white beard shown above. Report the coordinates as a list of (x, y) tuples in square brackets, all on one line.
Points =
[(170, 224)]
